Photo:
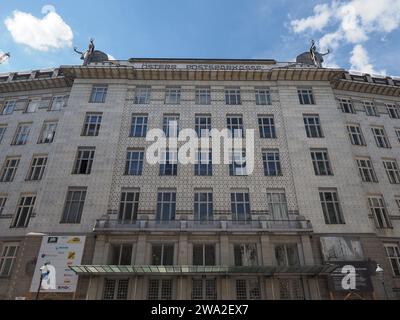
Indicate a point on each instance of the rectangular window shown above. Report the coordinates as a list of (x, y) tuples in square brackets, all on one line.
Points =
[(32, 106), (370, 109), (203, 206), (248, 289), (129, 206), (171, 125), (272, 163), (203, 125), (291, 289), (48, 132), (9, 169), (245, 255), (305, 96), (91, 127), (159, 289), (393, 254), (142, 95), (321, 163), (240, 206), (204, 255), (3, 200), (121, 254), (84, 160), (139, 126), (346, 105), (203, 95), (266, 126), (166, 205), (74, 206), (397, 200), (366, 170), (392, 171), (381, 138), (277, 206), (287, 255), (355, 134), (169, 163), (134, 162), (99, 94), (3, 129), (173, 95), (237, 163), (8, 107), (204, 289), (115, 289), (235, 126), (379, 212), (22, 133), (263, 96), (393, 111), (25, 208), (232, 96), (58, 103), (38, 165), (8, 256), (313, 126), (203, 165), (331, 207), (162, 254), (397, 134)]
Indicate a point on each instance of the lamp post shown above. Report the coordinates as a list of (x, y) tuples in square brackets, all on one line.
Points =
[(44, 271), (381, 275), (4, 57)]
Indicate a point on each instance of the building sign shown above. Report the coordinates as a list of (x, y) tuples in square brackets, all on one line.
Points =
[(341, 249), (60, 252), (202, 67), (351, 276)]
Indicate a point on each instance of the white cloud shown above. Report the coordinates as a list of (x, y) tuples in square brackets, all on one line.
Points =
[(49, 32), (110, 57), (360, 61), (321, 17)]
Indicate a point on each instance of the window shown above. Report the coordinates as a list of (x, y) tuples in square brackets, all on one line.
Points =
[(37, 168), (99, 93), (203, 165), (306, 96), (24, 211), (171, 125), (142, 95), (235, 126), (355, 134), (22, 133), (58, 103), (266, 126), (313, 126), (139, 126), (240, 206), (272, 163), (331, 207), (263, 96), (173, 95), (203, 95), (8, 256), (159, 289), (392, 171), (3, 129), (248, 289), (245, 255), (204, 289), (203, 125), (3, 200), (237, 163), (166, 205), (366, 170), (380, 137), (393, 111), (287, 255), (393, 254), (277, 205), (134, 162), (320, 160), (84, 160), (9, 169), (162, 254), (116, 289), (379, 212), (169, 163), (8, 107), (92, 124), (32, 105), (370, 109), (203, 206), (232, 96), (204, 255), (129, 206), (397, 200), (346, 105), (291, 289), (121, 254), (48, 132), (74, 206), (397, 134)]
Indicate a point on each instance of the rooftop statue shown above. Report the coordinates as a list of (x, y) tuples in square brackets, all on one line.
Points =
[(4, 57), (316, 56), (86, 56)]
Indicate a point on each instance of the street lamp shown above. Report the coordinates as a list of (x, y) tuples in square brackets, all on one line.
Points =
[(44, 271), (4, 57), (380, 272)]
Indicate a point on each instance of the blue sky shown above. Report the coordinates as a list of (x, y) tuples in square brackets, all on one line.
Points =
[(363, 35)]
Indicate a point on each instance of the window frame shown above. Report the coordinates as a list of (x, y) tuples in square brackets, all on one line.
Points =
[(68, 204)]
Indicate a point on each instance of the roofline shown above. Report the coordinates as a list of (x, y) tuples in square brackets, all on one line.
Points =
[(251, 61)]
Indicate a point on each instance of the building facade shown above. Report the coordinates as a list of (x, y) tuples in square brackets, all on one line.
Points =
[(324, 191)]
